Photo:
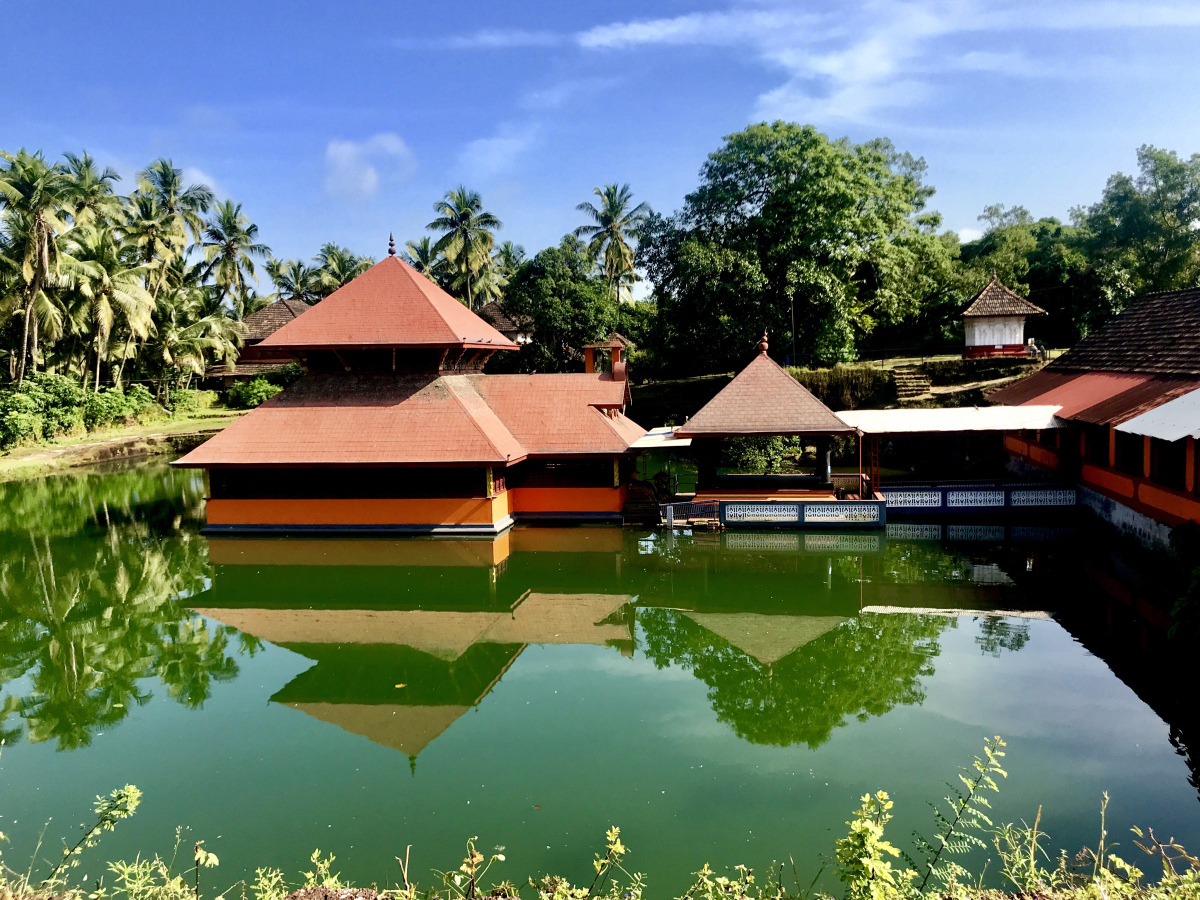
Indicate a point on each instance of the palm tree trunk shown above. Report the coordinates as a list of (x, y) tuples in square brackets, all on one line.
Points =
[(25, 336), (33, 344), (96, 386)]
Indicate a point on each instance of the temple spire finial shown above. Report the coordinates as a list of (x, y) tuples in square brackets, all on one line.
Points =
[(762, 345), (391, 246)]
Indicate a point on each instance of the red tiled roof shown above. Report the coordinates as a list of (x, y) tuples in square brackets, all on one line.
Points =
[(389, 305), (561, 414), (763, 400), (997, 300), (364, 420), (271, 318), (1099, 398)]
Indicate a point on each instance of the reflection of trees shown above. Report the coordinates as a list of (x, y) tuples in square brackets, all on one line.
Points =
[(90, 602), (997, 634), (864, 667)]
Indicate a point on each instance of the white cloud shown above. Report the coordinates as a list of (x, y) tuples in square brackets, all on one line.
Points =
[(192, 175), (490, 156), (854, 60), (353, 167), (969, 234)]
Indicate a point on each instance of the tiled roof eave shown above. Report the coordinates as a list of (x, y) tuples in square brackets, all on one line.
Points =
[(388, 345), (184, 464)]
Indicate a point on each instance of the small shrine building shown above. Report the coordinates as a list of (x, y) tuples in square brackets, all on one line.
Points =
[(394, 428), (994, 322)]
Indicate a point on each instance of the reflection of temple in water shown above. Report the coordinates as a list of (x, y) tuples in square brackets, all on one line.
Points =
[(408, 635)]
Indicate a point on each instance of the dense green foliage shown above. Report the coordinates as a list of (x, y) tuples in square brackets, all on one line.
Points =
[(569, 303), (47, 406), (249, 394)]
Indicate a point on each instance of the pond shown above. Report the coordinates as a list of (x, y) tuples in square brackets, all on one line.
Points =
[(721, 697)]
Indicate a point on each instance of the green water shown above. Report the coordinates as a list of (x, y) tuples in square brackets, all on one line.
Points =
[(720, 697)]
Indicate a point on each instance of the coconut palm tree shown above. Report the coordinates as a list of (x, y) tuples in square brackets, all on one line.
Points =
[(422, 255), (509, 257), (93, 201), (339, 266), (110, 290), (185, 205), (153, 230), (294, 280), (186, 334), (36, 200), (230, 240), (614, 222), (467, 238)]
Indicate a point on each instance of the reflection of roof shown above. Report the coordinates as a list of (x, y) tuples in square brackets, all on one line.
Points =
[(966, 418), (409, 729), (1100, 398), (350, 419), (1159, 334), (271, 318), (389, 305), (1174, 420), (997, 300), (766, 638), (762, 400), (538, 619)]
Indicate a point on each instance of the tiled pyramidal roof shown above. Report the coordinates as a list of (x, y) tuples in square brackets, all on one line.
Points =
[(763, 400), (360, 419), (997, 300), (389, 305)]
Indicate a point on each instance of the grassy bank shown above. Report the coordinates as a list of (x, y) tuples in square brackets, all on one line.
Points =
[(865, 864), (163, 435)]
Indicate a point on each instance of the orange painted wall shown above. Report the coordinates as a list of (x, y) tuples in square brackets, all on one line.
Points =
[(589, 499), (455, 511)]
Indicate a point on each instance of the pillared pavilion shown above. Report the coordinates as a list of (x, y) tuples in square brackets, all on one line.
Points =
[(394, 427)]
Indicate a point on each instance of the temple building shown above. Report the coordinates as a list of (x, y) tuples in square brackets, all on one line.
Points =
[(395, 428), (1128, 399), (994, 322)]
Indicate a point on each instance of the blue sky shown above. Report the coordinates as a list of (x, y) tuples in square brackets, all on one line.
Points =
[(344, 121)]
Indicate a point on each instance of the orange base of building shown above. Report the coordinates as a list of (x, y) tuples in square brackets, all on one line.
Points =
[(472, 515)]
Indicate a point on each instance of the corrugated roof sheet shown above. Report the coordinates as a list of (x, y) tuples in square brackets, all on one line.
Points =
[(389, 305), (965, 418), (353, 419), (1159, 334), (1172, 421), (997, 300), (762, 400), (1098, 398)]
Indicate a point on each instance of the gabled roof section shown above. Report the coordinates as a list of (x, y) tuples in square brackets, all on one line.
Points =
[(1160, 335), (997, 300), (357, 420), (571, 413), (763, 400), (266, 321), (389, 305)]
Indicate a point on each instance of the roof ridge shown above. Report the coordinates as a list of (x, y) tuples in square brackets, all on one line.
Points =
[(453, 385)]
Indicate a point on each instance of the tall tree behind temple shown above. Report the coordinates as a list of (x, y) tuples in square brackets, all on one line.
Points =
[(467, 239), (1144, 234), (567, 304), (614, 223), (788, 227)]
